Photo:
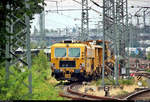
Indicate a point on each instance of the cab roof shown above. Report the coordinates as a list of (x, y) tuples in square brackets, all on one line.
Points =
[(68, 44)]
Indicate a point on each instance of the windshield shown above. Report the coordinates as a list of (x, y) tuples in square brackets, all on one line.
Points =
[(60, 52), (74, 52)]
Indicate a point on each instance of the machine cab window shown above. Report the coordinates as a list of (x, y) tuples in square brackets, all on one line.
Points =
[(74, 52), (60, 52)]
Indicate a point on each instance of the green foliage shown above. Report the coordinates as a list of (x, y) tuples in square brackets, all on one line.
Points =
[(112, 82), (148, 56), (144, 83), (126, 81), (14, 89), (41, 87), (122, 93), (41, 61), (2, 81), (18, 9), (148, 70), (42, 44), (107, 82), (98, 82), (33, 45), (13, 85)]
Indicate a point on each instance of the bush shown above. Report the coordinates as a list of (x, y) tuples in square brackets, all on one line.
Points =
[(107, 82), (41, 61), (42, 89), (148, 70), (148, 56), (126, 81), (112, 82), (122, 93), (13, 85)]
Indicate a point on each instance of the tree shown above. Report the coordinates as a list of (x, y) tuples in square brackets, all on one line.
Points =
[(12, 10), (148, 56), (17, 8)]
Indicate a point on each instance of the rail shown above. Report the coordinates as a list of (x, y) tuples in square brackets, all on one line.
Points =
[(74, 94)]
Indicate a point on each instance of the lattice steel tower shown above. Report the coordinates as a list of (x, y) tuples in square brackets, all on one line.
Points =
[(109, 32), (122, 33), (115, 30), (20, 40), (84, 21)]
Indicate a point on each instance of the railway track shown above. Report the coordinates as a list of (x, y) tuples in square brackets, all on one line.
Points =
[(143, 73), (139, 95), (72, 92)]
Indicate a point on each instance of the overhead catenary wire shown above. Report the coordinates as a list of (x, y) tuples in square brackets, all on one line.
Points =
[(65, 10), (96, 4), (61, 8), (87, 6)]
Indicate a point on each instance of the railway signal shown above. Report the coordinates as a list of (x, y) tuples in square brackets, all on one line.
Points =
[(106, 89)]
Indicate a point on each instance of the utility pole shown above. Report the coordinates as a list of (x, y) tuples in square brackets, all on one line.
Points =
[(123, 33), (21, 39), (115, 29), (28, 49), (116, 42), (7, 50), (131, 30), (127, 37), (84, 21), (42, 26), (110, 33), (104, 32), (144, 18)]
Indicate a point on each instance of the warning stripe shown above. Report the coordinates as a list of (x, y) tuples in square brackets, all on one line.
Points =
[(139, 77)]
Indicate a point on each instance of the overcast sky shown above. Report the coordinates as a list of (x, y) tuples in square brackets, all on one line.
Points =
[(63, 19)]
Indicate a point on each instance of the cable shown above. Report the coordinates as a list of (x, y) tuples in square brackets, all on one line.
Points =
[(59, 23), (88, 6), (96, 4), (65, 15)]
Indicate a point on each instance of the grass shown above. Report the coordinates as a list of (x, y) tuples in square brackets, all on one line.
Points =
[(148, 70), (44, 90), (122, 93), (112, 82), (43, 83), (107, 82), (126, 81)]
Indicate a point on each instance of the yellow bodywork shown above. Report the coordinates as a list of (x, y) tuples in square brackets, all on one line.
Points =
[(79, 60), (91, 57)]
